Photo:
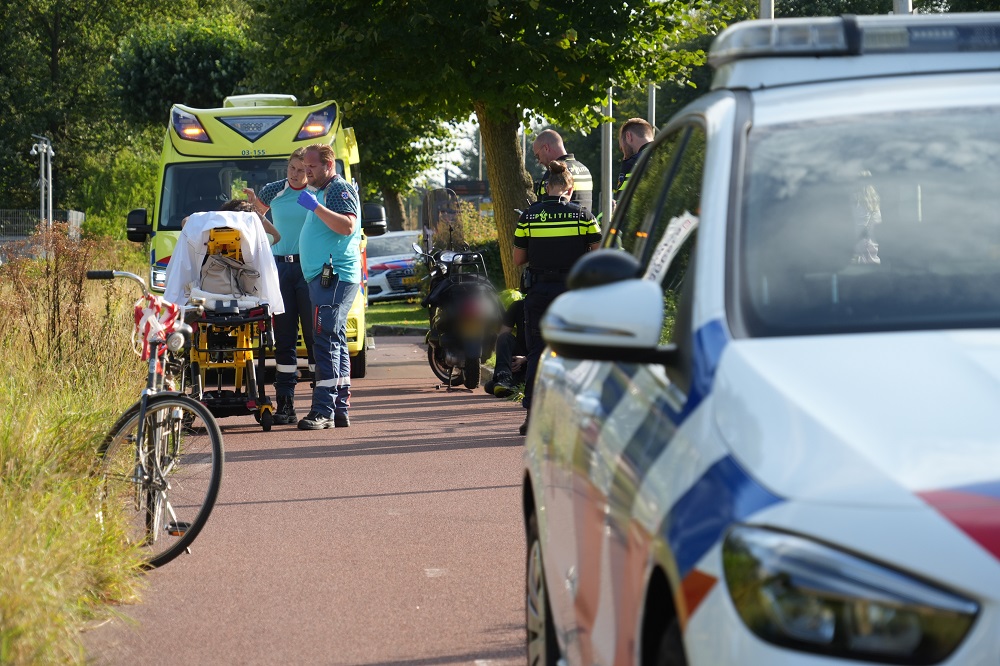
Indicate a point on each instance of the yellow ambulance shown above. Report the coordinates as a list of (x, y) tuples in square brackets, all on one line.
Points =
[(210, 155)]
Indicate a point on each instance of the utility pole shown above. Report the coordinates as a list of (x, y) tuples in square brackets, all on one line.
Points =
[(902, 6), (43, 150), (651, 105), (767, 9), (606, 143)]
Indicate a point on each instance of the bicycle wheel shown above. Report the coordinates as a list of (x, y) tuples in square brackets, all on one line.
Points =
[(164, 487)]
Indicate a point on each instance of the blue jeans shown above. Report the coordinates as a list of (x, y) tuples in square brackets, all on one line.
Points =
[(333, 360), (298, 308)]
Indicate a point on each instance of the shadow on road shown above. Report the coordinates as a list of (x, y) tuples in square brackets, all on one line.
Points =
[(365, 496)]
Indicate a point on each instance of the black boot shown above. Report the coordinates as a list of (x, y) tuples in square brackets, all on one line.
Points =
[(285, 415), (503, 385)]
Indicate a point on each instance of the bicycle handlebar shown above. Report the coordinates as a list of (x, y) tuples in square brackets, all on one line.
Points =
[(108, 275)]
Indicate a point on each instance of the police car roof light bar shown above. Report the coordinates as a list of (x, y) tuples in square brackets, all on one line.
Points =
[(856, 35)]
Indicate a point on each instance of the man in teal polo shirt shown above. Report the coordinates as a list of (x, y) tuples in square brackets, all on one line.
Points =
[(329, 248)]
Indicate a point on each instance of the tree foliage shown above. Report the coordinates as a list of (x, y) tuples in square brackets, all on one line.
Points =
[(504, 60), (395, 150), (196, 63), (52, 58)]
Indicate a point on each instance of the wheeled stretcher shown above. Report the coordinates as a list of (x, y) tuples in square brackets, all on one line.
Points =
[(235, 329)]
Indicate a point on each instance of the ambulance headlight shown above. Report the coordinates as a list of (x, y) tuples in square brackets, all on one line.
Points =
[(318, 123), (804, 595), (188, 126), (158, 278)]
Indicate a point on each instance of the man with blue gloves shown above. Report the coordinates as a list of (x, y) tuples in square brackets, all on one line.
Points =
[(329, 247)]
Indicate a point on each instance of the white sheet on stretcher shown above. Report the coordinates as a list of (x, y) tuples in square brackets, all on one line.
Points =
[(242, 302), (184, 268)]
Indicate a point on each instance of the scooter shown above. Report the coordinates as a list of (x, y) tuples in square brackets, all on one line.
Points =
[(465, 315)]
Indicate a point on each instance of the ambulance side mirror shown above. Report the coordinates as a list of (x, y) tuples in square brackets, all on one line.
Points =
[(373, 221), (137, 228)]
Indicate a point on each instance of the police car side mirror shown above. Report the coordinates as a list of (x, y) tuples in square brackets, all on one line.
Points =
[(601, 267), (619, 321)]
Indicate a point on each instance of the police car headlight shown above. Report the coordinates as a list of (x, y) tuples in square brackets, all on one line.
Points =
[(806, 596)]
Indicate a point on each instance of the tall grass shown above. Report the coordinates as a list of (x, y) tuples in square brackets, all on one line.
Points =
[(68, 371)]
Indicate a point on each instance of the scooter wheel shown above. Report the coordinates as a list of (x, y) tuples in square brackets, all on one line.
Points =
[(471, 372)]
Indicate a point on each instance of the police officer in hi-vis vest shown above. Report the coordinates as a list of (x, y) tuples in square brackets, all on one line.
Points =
[(548, 147), (551, 235)]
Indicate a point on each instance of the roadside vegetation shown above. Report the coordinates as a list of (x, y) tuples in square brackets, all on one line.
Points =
[(69, 370), (408, 314)]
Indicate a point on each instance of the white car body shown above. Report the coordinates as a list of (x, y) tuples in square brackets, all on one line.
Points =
[(393, 276), (875, 448)]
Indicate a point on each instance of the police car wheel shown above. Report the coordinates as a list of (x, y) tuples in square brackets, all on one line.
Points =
[(542, 646), (671, 652)]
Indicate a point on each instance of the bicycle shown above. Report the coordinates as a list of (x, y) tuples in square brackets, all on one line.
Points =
[(161, 463)]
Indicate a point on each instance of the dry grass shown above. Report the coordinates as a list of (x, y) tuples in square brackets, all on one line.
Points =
[(68, 372)]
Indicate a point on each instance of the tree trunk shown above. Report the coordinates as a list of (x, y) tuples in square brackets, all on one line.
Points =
[(510, 184), (393, 208)]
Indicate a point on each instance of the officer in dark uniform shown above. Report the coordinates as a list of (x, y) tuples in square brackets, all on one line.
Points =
[(633, 137), (548, 147), (550, 236)]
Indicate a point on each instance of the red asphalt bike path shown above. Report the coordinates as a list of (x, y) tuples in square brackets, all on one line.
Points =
[(397, 541)]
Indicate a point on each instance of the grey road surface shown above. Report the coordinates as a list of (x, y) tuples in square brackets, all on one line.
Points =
[(395, 541)]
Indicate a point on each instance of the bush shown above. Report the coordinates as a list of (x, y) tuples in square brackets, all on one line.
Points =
[(117, 182)]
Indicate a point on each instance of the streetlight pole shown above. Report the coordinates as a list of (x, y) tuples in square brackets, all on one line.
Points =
[(651, 104), (606, 143), (43, 149)]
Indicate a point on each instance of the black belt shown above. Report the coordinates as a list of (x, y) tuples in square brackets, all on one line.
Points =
[(548, 275), (287, 258)]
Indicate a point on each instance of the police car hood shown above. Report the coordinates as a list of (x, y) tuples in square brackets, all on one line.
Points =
[(391, 261), (871, 419)]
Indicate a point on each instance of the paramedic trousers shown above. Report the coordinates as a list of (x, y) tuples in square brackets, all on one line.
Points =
[(333, 360), (298, 310)]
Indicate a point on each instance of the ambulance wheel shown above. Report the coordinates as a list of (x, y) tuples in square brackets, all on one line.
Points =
[(359, 364)]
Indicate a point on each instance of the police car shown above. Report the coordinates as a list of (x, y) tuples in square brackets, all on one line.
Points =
[(392, 266), (767, 426)]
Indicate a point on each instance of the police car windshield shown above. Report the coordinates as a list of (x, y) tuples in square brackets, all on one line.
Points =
[(872, 223), (391, 245), (204, 186)]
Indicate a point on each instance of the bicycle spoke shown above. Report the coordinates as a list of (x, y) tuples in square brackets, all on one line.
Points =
[(170, 497)]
